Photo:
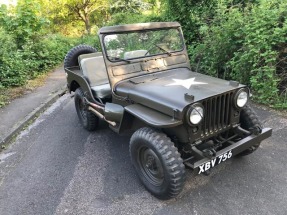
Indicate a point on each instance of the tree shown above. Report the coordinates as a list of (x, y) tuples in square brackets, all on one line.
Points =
[(84, 10), (69, 16), (130, 6)]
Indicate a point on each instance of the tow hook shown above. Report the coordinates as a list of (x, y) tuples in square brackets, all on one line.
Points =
[(256, 130), (209, 153), (207, 172)]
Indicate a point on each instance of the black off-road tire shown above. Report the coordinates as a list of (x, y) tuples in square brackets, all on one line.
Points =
[(89, 120), (250, 122), (71, 58), (168, 181)]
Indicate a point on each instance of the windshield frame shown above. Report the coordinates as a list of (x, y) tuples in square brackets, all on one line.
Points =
[(148, 56)]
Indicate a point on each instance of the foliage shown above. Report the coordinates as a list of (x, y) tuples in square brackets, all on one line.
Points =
[(136, 11), (24, 24), (191, 15), (36, 57), (126, 18), (84, 10), (11, 65), (128, 6), (27, 47), (243, 40), (247, 44), (75, 16), (92, 40)]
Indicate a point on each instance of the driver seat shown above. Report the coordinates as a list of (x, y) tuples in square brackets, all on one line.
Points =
[(94, 70)]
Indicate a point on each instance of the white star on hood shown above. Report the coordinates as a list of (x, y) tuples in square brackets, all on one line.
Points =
[(185, 83)]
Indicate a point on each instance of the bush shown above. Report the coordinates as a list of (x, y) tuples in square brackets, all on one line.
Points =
[(126, 18), (92, 40), (11, 65), (26, 48), (35, 57), (247, 44)]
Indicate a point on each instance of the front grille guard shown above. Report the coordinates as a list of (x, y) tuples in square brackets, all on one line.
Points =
[(199, 158), (217, 115)]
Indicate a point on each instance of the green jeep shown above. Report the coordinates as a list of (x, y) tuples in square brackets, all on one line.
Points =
[(142, 82)]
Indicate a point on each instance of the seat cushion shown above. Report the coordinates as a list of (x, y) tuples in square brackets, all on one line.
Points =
[(135, 54), (94, 70), (84, 56), (102, 91)]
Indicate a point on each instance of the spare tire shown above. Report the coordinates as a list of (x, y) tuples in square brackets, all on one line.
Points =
[(71, 58)]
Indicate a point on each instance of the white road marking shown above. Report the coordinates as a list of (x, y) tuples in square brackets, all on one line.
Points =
[(5, 155)]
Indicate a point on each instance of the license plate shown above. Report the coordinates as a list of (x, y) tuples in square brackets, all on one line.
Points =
[(217, 160)]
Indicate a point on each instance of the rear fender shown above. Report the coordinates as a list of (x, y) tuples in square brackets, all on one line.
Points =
[(75, 79)]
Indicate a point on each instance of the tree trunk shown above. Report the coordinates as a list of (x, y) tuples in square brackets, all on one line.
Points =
[(88, 25)]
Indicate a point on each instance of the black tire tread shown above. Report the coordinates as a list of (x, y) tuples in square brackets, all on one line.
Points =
[(249, 120), (71, 58), (171, 159), (92, 120)]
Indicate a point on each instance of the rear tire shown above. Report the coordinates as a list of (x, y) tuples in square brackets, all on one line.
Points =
[(250, 122), (87, 118), (71, 58), (157, 163)]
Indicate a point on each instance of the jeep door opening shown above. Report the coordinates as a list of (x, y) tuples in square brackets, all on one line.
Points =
[(142, 82)]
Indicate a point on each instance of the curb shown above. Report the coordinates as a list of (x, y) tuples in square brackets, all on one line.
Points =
[(22, 123)]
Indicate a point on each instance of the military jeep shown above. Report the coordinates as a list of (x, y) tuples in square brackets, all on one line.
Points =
[(142, 82)]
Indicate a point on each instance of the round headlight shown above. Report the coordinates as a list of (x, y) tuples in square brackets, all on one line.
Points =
[(196, 115), (242, 99)]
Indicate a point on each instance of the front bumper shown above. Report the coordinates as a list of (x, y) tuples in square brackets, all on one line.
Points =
[(239, 146)]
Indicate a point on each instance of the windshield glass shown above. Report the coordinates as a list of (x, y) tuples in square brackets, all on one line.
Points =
[(130, 45)]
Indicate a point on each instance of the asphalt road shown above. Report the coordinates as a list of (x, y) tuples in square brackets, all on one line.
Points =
[(56, 167)]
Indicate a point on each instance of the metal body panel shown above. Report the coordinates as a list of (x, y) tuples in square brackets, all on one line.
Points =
[(239, 146), (75, 74), (113, 112), (138, 27), (152, 117), (162, 91)]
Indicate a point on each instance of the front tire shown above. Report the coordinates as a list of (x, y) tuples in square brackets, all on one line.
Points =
[(157, 163), (250, 122), (86, 117)]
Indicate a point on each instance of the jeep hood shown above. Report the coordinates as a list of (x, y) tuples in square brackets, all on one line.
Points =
[(172, 90)]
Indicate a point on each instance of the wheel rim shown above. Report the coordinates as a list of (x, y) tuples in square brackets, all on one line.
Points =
[(151, 166)]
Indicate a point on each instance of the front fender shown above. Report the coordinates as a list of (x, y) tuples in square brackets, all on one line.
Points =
[(152, 117)]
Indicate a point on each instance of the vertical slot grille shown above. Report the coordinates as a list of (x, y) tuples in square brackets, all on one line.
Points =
[(217, 112)]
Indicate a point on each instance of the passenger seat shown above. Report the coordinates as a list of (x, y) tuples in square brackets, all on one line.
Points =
[(95, 72)]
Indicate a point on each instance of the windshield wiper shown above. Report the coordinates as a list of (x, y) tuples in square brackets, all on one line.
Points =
[(166, 51), (118, 58)]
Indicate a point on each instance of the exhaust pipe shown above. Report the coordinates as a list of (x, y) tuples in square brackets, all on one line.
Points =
[(111, 113), (101, 116)]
